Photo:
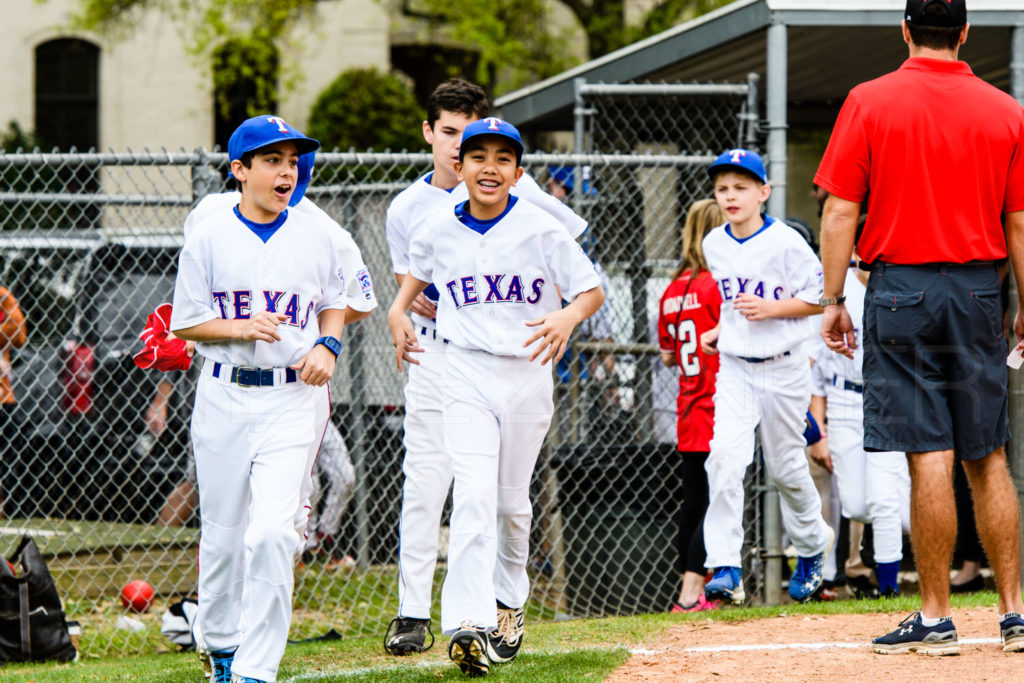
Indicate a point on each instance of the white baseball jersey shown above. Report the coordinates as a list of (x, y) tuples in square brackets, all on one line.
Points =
[(415, 204), (358, 290), (828, 364), (491, 284), (774, 263), (227, 271)]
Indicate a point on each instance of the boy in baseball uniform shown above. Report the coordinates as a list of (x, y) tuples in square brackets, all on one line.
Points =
[(261, 290), (770, 281), (427, 468), (499, 264)]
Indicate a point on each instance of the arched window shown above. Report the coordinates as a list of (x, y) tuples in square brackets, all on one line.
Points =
[(244, 84), (67, 94)]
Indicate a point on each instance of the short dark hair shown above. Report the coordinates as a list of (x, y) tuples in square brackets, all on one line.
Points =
[(459, 96), (935, 37)]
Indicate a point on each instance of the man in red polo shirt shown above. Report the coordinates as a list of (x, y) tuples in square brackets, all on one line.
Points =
[(941, 153)]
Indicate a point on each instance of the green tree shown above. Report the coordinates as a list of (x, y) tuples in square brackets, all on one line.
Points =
[(367, 109)]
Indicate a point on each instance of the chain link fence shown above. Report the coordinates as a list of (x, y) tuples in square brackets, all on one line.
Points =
[(97, 467)]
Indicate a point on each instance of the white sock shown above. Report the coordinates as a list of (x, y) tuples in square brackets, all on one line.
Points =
[(930, 622)]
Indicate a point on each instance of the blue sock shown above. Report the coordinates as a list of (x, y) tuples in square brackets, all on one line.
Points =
[(887, 574)]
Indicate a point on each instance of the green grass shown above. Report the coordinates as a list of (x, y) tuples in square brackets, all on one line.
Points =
[(555, 652)]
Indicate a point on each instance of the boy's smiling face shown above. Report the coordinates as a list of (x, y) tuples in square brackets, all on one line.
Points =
[(444, 139), (268, 181), (740, 196), (490, 169)]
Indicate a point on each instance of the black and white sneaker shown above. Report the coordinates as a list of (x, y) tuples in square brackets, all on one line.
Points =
[(406, 635), (503, 644), (468, 649), (1012, 632), (913, 636)]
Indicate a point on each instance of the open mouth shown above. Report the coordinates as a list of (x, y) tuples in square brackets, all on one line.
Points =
[(489, 184), (282, 190)]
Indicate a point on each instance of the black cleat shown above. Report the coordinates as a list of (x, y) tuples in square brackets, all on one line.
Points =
[(406, 635), (503, 644), (468, 649)]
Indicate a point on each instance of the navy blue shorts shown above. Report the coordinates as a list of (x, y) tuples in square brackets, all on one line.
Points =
[(935, 348)]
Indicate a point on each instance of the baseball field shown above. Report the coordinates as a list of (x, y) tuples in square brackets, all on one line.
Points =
[(809, 642)]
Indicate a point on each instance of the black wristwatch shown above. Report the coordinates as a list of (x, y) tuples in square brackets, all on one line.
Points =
[(333, 344), (831, 301)]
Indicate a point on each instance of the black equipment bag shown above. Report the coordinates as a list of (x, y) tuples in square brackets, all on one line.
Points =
[(32, 621)]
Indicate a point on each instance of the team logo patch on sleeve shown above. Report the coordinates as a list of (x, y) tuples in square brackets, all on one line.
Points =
[(364, 283)]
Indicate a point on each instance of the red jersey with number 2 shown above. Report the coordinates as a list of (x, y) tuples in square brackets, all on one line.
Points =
[(688, 309)]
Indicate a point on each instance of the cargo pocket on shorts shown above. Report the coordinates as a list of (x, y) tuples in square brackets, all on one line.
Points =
[(991, 307), (897, 316)]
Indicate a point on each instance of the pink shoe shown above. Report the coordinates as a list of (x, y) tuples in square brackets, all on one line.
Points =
[(702, 605)]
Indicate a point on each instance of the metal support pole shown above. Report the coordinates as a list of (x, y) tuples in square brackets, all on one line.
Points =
[(776, 94), (776, 106), (751, 119), (1015, 449), (361, 445)]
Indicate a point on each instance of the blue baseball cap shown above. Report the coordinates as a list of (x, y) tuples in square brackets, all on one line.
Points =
[(492, 126), (305, 175), (260, 131), (742, 160), (567, 176)]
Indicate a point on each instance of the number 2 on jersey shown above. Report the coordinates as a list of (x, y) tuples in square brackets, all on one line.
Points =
[(686, 335)]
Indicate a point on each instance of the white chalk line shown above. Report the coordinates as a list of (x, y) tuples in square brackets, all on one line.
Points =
[(791, 646), (639, 651)]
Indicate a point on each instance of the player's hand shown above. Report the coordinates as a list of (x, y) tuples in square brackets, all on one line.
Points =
[(709, 340), (317, 366), (753, 307), (262, 327), (421, 305), (554, 331), (837, 330), (403, 338), (819, 454)]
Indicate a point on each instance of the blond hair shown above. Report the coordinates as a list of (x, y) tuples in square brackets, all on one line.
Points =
[(702, 216)]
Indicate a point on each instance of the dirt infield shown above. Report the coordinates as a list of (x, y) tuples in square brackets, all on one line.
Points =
[(833, 647)]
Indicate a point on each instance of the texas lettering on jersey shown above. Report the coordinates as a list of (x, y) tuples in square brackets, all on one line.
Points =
[(465, 291), (730, 287), (238, 304)]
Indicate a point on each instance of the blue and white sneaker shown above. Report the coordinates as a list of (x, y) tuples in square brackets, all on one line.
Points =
[(221, 662), (1012, 632), (913, 636), (809, 573), (244, 679), (726, 585)]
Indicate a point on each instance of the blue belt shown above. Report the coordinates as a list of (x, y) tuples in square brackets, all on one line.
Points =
[(847, 384), (254, 377), (431, 332), (763, 360)]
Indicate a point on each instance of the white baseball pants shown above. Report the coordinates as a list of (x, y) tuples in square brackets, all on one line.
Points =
[(873, 487), (428, 476), (254, 451), (497, 413), (774, 394), (333, 461)]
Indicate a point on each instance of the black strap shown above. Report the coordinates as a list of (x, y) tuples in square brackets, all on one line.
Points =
[(26, 633)]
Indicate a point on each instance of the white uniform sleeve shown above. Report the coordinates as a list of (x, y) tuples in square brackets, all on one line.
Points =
[(528, 189), (421, 253), (193, 303), (573, 271), (807, 278), (358, 287), (208, 205), (396, 231)]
